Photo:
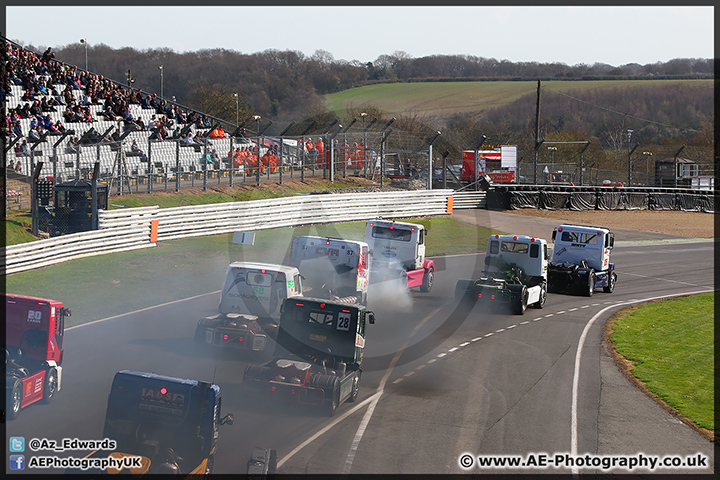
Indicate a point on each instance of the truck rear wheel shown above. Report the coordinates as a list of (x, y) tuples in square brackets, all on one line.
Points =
[(612, 278), (519, 299), (543, 296), (428, 279), (591, 283), (331, 389), (14, 400), (355, 388)]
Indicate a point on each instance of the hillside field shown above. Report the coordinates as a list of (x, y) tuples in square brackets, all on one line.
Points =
[(446, 98)]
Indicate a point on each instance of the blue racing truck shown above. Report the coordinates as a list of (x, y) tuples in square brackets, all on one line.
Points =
[(159, 424)]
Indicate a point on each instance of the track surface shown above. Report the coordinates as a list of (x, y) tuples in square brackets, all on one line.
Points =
[(439, 380)]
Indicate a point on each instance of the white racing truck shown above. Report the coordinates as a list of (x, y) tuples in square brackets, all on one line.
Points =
[(397, 252), (332, 268), (249, 305), (581, 260), (515, 274)]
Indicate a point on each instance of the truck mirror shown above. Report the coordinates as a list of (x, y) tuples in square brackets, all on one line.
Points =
[(553, 235), (371, 317), (370, 253), (227, 419), (612, 242)]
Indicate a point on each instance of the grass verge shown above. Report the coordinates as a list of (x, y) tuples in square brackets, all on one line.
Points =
[(670, 355)]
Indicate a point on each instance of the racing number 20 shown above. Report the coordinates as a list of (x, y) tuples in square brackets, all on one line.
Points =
[(343, 321)]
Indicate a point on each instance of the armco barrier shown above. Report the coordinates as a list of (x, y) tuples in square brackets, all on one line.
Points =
[(132, 228)]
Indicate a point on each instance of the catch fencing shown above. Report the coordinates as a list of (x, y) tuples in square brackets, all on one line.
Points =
[(134, 228)]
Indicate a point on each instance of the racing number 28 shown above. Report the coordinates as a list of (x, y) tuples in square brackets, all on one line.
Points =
[(343, 321)]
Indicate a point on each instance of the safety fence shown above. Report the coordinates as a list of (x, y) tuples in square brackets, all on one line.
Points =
[(133, 228)]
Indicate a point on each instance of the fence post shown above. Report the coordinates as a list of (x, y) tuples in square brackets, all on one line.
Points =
[(177, 166), (281, 160), (231, 163), (203, 161)]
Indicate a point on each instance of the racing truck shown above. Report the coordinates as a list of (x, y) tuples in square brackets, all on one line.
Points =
[(332, 268), (581, 260), (397, 252), (160, 425), (318, 356), (249, 306), (515, 274), (34, 330)]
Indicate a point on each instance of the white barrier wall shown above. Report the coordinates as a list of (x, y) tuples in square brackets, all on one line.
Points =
[(132, 228)]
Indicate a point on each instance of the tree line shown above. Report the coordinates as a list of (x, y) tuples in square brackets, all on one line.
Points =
[(285, 86)]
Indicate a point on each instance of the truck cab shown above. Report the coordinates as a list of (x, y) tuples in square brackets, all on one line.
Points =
[(515, 274), (332, 267), (397, 251), (34, 331), (581, 259), (318, 357), (249, 305), (172, 424)]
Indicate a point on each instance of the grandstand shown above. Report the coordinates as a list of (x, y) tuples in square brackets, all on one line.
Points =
[(30, 77)]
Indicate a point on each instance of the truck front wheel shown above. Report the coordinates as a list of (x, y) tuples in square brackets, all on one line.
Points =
[(428, 279), (612, 278), (51, 386)]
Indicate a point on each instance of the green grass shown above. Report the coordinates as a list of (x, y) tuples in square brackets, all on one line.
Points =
[(16, 229), (444, 98), (671, 344), (111, 284), (241, 195)]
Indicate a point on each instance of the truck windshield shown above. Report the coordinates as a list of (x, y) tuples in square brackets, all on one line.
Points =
[(392, 233), (514, 247)]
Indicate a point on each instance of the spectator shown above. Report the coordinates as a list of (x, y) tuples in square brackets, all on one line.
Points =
[(24, 151), (215, 159), (48, 55), (217, 132), (35, 134), (73, 146), (135, 149), (153, 123), (18, 164), (17, 129)]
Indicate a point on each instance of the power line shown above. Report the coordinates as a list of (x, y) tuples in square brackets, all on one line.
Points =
[(624, 114)]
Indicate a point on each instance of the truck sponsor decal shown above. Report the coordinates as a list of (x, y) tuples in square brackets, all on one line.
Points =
[(389, 254), (359, 341), (161, 401), (330, 252), (34, 316), (319, 338)]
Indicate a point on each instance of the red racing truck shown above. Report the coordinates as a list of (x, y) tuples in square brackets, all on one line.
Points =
[(34, 330)]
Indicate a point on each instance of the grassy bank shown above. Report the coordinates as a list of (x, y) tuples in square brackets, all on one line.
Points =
[(669, 344)]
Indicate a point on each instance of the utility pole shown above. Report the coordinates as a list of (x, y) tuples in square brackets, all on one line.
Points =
[(537, 132)]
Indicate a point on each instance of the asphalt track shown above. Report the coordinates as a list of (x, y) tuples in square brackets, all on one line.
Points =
[(439, 381)]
